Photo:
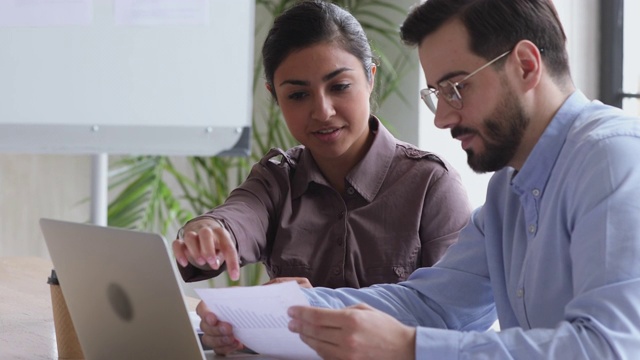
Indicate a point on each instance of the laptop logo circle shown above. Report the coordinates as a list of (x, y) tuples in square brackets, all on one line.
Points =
[(119, 301)]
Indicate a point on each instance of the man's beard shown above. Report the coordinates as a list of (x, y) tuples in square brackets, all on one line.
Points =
[(502, 134)]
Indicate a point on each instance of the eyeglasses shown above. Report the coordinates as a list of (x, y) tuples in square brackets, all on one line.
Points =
[(450, 91)]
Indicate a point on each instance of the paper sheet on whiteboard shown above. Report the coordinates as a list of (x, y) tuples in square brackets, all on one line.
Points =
[(161, 12), (40, 13)]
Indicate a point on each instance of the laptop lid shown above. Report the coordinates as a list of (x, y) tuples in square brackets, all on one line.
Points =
[(122, 292)]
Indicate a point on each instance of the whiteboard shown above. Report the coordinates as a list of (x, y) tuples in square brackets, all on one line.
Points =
[(135, 86)]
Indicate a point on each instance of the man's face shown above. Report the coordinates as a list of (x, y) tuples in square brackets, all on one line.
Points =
[(500, 133), (491, 122)]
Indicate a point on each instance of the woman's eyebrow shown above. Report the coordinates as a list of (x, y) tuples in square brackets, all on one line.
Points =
[(295, 82), (327, 77), (335, 73)]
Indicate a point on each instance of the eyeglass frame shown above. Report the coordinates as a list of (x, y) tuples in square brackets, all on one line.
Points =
[(425, 94)]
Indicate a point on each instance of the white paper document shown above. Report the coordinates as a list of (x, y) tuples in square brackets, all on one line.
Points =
[(259, 317), (161, 12)]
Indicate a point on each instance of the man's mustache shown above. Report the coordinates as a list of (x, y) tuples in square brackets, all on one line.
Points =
[(459, 130)]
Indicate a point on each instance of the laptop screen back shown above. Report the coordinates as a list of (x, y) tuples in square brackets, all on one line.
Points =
[(122, 292)]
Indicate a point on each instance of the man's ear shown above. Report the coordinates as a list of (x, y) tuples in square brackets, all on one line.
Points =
[(529, 63)]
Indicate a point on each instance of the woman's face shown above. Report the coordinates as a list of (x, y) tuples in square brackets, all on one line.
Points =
[(323, 93)]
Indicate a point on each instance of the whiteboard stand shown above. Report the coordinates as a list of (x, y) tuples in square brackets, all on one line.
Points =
[(99, 188)]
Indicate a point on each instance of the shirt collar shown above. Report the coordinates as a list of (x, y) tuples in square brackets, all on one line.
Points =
[(537, 168), (369, 174), (366, 177)]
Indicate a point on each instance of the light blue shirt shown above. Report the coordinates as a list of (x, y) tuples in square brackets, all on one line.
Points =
[(554, 252)]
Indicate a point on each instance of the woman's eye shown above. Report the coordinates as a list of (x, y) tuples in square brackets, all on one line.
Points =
[(297, 96), (340, 87)]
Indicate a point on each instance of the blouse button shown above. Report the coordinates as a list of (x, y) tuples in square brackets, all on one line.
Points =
[(336, 271), (532, 228), (535, 192), (520, 293), (351, 191)]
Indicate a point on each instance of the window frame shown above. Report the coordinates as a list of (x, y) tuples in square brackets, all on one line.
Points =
[(611, 53)]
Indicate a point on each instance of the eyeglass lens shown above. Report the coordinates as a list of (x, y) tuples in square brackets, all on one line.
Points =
[(450, 90), (430, 99)]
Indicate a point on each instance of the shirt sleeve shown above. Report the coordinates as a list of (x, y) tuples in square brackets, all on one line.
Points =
[(445, 212), (452, 303), (248, 215)]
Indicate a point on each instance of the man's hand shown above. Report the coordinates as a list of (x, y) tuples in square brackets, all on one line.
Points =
[(356, 332), (205, 243), (218, 335)]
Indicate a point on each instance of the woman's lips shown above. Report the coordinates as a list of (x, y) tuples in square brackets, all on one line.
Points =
[(327, 134)]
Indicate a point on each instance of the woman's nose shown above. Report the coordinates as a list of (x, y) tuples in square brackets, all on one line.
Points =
[(322, 108)]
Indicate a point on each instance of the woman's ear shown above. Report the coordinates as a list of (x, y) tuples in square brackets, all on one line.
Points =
[(271, 91), (529, 63), (372, 69)]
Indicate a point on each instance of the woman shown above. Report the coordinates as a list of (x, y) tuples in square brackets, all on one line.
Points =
[(351, 206)]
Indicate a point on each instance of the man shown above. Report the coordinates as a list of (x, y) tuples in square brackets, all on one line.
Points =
[(555, 250)]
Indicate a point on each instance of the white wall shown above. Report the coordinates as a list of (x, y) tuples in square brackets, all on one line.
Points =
[(34, 186)]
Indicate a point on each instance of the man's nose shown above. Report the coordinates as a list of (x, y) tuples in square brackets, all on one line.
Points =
[(446, 117)]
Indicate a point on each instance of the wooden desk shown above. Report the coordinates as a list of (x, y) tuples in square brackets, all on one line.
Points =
[(26, 317)]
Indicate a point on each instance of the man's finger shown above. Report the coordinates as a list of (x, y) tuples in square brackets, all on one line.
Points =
[(222, 345), (317, 316), (325, 339)]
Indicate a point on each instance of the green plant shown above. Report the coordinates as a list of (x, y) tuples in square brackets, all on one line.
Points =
[(160, 193)]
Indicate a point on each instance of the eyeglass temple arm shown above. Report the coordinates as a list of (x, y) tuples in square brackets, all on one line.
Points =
[(484, 66)]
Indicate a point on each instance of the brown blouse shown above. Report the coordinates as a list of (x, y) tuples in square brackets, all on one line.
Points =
[(404, 207)]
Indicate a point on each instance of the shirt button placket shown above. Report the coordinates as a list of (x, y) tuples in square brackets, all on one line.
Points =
[(340, 240), (532, 228)]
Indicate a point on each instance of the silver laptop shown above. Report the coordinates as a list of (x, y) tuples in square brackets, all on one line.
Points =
[(122, 292)]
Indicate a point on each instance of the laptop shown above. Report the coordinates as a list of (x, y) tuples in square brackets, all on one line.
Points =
[(122, 292)]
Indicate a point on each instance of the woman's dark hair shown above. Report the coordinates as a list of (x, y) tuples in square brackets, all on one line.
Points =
[(308, 23), (495, 26)]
